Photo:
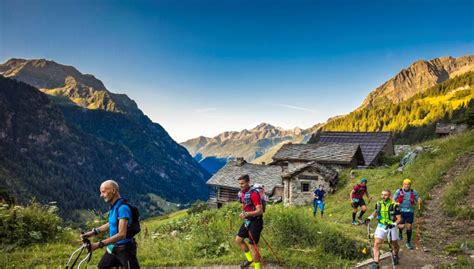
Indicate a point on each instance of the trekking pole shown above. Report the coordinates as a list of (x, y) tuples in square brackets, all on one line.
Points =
[(418, 221), (390, 247), (81, 248), (256, 247), (273, 253), (370, 243), (86, 244)]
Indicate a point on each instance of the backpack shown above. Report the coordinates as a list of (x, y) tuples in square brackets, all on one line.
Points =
[(258, 188), (402, 194), (360, 191), (133, 228)]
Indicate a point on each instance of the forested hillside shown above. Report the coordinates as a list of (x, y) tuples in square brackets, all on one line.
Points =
[(65, 158)]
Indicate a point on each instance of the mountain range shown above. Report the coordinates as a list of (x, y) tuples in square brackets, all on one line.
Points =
[(249, 144), (108, 136)]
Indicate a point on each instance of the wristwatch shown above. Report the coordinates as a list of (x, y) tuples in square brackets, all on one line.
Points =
[(101, 244)]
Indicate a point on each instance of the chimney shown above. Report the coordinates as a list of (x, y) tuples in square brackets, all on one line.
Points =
[(284, 166), (240, 161)]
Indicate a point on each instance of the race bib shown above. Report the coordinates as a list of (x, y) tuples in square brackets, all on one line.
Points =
[(110, 248)]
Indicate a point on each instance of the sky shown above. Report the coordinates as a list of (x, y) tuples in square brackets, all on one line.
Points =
[(205, 67)]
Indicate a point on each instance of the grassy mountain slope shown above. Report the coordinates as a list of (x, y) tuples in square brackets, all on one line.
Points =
[(414, 119), (297, 238)]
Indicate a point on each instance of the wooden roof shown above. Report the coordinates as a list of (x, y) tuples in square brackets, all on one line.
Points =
[(328, 153), (267, 175), (371, 143)]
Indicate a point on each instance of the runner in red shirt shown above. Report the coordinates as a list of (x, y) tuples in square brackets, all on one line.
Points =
[(252, 215), (357, 200)]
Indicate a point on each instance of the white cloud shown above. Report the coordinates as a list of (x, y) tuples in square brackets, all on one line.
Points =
[(295, 108)]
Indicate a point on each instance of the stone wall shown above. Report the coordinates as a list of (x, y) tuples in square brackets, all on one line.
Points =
[(299, 197)]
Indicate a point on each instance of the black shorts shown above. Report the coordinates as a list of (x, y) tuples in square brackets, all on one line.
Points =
[(253, 231), (407, 217), (124, 256), (358, 203)]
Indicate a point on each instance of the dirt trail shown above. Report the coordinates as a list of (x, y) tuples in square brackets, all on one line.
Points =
[(437, 230)]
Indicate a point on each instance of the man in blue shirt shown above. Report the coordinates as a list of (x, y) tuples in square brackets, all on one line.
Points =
[(121, 251), (407, 198), (319, 197)]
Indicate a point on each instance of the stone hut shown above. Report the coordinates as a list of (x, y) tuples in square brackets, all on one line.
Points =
[(300, 182), (445, 129)]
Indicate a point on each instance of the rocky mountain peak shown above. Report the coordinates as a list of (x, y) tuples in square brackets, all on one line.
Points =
[(418, 77), (62, 80), (263, 126), (249, 144)]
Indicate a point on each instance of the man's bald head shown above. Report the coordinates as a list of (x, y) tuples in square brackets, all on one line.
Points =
[(110, 184), (109, 191)]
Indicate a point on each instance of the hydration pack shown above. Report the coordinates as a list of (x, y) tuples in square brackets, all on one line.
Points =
[(402, 194), (392, 209), (256, 188)]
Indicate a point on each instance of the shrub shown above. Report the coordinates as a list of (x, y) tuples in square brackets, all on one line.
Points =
[(24, 225), (291, 227), (197, 207)]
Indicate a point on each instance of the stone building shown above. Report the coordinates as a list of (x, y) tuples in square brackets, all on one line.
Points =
[(444, 129), (293, 186), (300, 182)]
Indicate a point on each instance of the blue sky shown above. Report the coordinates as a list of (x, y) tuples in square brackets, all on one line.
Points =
[(204, 67)]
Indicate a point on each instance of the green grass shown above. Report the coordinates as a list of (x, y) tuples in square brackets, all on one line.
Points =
[(298, 239), (461, 249), (454, 203)]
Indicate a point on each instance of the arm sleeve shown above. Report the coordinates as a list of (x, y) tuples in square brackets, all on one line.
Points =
[(417, 196), (124, 212), (255, 198), (395, 196)]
